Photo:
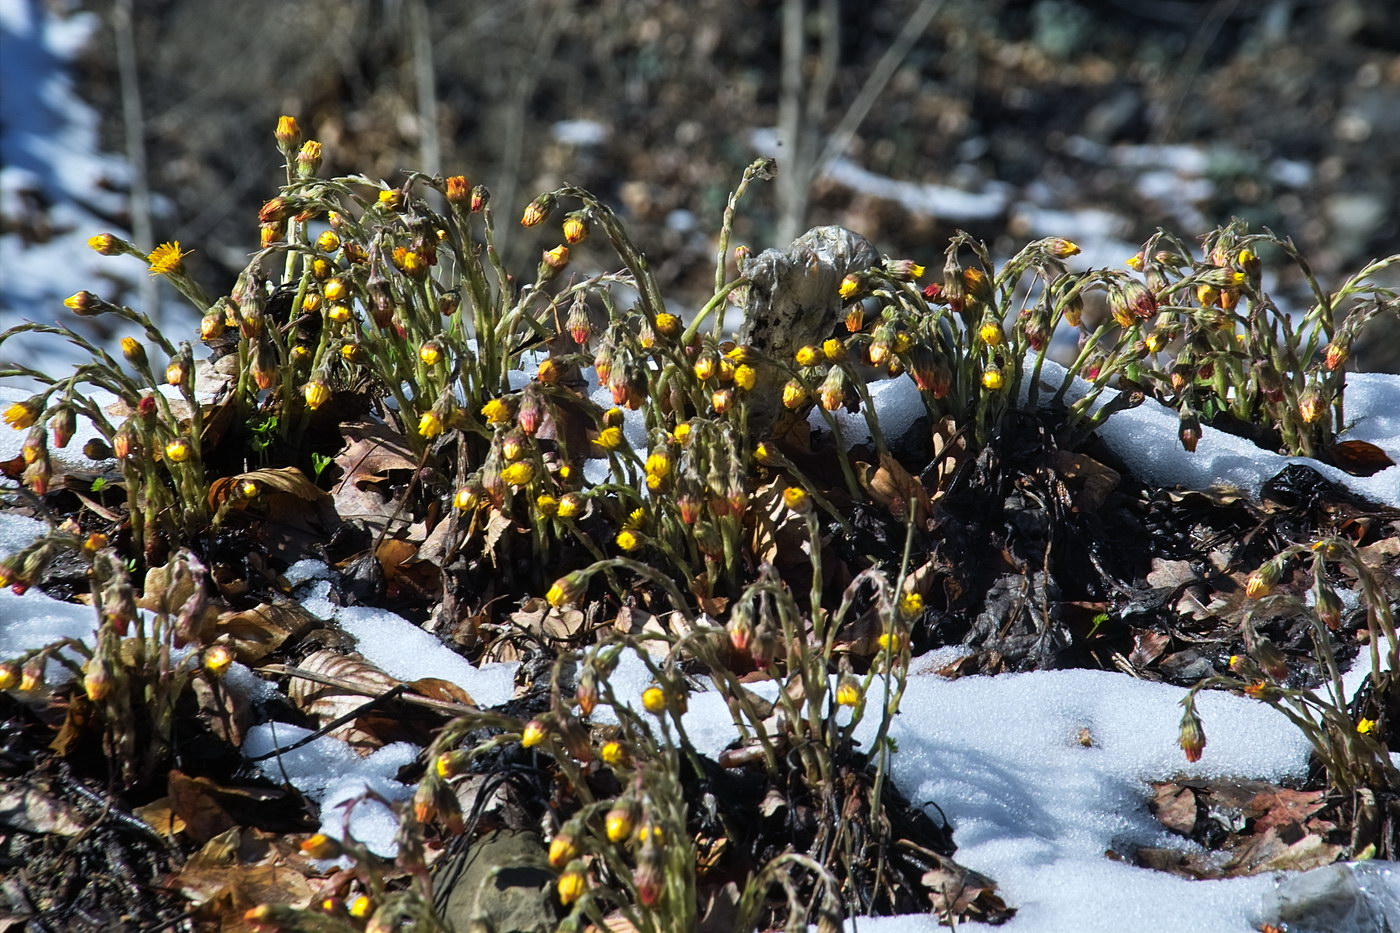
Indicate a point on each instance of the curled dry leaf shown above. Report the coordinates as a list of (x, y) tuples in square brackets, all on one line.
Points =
[(326, 703), (287, 480), (257, 632)]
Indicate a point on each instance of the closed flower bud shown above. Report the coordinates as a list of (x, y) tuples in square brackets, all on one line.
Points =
[(537, 210), (134, 352), (316, 393), (309, 158), (794, 395), (391, 199), (533, 734), (1336, 356), (571, 505), (722, 400), (617, 824), (993, 378), (1262, 581), (97, 680), (575, 229), (430, 353), (288, 133), (848, 691), (1061, 248), (562, 850), (1189, 431), (63, 424), (991, 333), (903, 270), (556, 258), (850, 285), (1191, 737), (466, 499), (1310, 405), (570, 886)]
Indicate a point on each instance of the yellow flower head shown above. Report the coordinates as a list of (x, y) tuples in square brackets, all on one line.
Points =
[(991, 333), (466, 499), (575, 230), (547, 505), (570, 505), (316, 392), (570, 887), (659, 463), (178, 450), (612, 753), (167, 259), (562, 850), (218, 659), (848, 692), (518, 474), (681, 432), (1366, 726), (610, 438), (992, 378), (22, 415), (654, 700), (850, 285), (328, 242), (797, 499), (911, 604), (808, 356), (745, 377), (628, 540), (430, 425), (793, 394), (496, 411), (618, 824), (533, 733)]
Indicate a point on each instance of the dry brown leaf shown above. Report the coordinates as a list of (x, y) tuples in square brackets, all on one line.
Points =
[(961, 893), (160, 815), (28, 807), (779, 535), (287, 480), (234, 872), (326, 703), (1089, 481), (894, 487), (257, 632), (435, 688), (372, 451), (950, 451), (1359, 458)]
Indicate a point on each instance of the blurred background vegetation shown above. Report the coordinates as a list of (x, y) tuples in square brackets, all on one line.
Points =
[(904, 120)]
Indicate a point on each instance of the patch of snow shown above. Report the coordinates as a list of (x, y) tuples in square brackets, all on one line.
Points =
[(580, 132), (941, 201), (330, 773)]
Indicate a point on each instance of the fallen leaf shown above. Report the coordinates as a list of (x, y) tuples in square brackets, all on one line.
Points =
[(30, 808), (1359, 458), (1089, 481), (326, 703), (257, 632)]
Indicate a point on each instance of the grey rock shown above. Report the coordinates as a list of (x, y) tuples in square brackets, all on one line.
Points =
[(501, 880)]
